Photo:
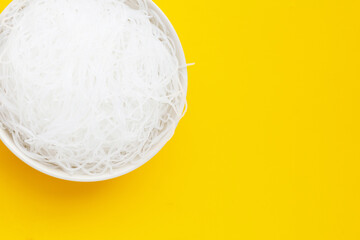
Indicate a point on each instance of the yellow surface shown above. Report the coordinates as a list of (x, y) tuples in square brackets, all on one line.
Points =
[(270, 147)]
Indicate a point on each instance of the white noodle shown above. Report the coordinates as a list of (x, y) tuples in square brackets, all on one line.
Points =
[(88, 86)]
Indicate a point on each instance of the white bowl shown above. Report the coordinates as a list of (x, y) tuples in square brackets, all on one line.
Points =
[(6, 138)]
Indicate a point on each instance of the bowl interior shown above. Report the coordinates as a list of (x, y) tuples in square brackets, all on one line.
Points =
[(6, 138)]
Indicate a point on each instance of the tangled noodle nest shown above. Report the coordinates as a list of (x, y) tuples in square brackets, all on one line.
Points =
[(88, 86)]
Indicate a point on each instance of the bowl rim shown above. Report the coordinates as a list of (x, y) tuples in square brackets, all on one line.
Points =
[(6, 138)]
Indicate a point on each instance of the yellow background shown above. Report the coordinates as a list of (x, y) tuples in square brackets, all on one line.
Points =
[(270, 147)]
